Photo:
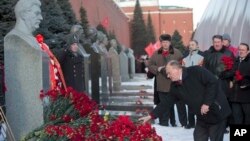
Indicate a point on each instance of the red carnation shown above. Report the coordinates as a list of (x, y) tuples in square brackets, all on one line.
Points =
[(238, 76), (66, 118), (39, 38), (165, 53), (228, 62), (52, 117)]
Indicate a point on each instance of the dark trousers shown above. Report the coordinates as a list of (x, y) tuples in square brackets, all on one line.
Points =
[(182, 112), (191, 117), (169, 112), (241, 113), (204, 131)]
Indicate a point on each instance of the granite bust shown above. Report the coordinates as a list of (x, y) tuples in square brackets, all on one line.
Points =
[(26, 70)]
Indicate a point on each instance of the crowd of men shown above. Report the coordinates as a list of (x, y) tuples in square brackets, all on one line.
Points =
[(215, 85)]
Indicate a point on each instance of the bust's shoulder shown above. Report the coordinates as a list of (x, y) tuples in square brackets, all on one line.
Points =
[(16, 37)]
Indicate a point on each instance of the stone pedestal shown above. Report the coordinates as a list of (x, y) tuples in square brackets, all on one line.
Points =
[(104, 73), (124, 66), (25, 65), (131, 63), (115, 67)]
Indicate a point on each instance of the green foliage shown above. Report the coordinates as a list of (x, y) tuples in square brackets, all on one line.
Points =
[(53, 26), (177, 41), (67, 11), (150, 30), (7, 18), (84, 20), (138, 31)]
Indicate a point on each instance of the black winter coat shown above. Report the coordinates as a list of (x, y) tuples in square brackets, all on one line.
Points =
[(199, 86), (242, 95), (212, 59), (73, 69), (212, 62)]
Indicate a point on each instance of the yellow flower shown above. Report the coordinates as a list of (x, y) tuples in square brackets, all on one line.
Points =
[(106, 116)]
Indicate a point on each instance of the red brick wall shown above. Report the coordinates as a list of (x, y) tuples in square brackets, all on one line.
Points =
[(164, 21), (181, 22), (97, 10)]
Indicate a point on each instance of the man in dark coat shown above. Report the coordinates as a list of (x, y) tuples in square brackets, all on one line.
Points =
[(72, 65), (241, 97), (198, 88), (213, 62)]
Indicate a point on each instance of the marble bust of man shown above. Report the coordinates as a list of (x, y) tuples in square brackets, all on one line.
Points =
[(26, 70), (102, 42), (113, 44), (78, 33), (28, 18)]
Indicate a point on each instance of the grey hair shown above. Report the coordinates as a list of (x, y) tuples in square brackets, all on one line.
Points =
[(23, 6), (175, 64)]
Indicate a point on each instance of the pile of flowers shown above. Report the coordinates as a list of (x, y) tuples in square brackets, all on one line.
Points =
[(227, 62), (73, 116)]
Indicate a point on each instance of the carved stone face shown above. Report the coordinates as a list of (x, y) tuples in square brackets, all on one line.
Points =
[(76, 29), (92, 32), (33, 17), (113, 43), (105, 40)]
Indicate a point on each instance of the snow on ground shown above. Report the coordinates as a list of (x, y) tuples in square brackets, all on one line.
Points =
[(178, 133)]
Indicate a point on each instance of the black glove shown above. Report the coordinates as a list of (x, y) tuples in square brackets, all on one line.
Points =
[(245, 82), (150, 75), (227, 74)]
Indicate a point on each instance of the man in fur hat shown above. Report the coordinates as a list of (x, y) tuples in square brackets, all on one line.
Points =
[(157, 65)]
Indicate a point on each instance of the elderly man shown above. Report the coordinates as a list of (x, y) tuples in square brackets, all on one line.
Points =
[(198, 88)]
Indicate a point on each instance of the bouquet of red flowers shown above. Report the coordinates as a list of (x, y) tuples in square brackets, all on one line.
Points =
[(227, 62), (73, 116), (238, 76)]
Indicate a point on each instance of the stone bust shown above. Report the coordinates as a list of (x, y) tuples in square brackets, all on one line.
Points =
[(28, 18), (92, 33), (77, 31), (102, 42), (113, 44)]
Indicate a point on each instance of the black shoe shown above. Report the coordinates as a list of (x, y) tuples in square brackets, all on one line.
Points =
[(226, 131), (163, 124), (189, 126), (174, 125)]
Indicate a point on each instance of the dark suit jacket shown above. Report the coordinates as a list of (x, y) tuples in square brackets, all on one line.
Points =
[(199, 86)]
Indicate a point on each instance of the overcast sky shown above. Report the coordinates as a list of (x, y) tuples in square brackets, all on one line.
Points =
[(198, 6)]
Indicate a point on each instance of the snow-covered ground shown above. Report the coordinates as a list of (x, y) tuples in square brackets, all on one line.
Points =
[(177, 133)]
